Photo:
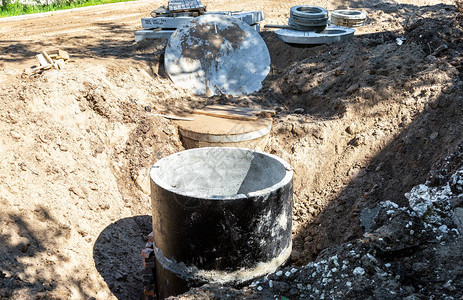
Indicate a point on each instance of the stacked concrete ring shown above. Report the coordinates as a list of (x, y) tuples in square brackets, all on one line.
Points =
[(308, 18)]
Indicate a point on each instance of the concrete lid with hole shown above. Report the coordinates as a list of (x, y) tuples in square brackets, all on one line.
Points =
[(329, 35), (349, 14), (215, 54), (220, 130)]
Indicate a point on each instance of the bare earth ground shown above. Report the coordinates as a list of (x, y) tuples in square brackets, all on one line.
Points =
[(377, 119)]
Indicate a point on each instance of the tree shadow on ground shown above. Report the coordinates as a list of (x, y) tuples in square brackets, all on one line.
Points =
[(117, 255), (23, 238)]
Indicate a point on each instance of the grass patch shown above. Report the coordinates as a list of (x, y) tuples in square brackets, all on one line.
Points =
[(17, 9)]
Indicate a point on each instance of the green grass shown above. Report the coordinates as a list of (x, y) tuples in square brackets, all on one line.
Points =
[(16, 9)]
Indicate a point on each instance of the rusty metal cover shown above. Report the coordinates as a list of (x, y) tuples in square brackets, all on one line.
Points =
[(216, 54)]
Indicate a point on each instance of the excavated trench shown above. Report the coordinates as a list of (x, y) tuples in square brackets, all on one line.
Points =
[(361, 122)]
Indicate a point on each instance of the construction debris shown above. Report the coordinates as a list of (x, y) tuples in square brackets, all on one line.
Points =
[(177, 8), (148, 272), (47, 61), (186, 6), (164, 21)]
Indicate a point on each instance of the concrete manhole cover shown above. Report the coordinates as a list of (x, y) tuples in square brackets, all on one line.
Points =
[(215, 54)]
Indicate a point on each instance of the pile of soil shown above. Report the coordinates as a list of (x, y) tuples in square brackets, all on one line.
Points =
[(363, 122)]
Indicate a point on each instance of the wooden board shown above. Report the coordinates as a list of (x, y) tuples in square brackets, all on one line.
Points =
[(47, 57), (63, 54), (240, 109), (210, 125), (41, 68), (42, 60), (233, 112)]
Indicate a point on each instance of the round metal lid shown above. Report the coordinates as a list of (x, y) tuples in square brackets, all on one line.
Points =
[(215, 54)]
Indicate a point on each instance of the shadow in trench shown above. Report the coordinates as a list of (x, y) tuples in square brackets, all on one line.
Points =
[(406, 161), (117, 255)]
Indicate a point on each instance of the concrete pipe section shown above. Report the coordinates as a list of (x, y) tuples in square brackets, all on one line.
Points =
[(220, 215), (217, 54), (209, 131), (329, 35), (349, 18)]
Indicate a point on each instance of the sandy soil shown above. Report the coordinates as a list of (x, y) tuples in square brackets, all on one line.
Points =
[(377, 119)]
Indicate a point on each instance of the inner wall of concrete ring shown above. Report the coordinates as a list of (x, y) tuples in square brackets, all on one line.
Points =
[(229, 234)]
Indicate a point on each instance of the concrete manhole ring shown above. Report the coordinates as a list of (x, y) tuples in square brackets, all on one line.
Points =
[(349, 14), (309, 12), (215, 54), (309, 21), (306, 27), (349, 18)]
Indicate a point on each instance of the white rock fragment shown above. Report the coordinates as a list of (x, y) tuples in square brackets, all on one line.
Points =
[(288, 273), (300, 286), (349, 284), (293, 270), (372, 258), (259, 288), (389, 204), (444, 229), (279, 273), (270, 284), (400, 40), (419, 199), (359, 271)]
